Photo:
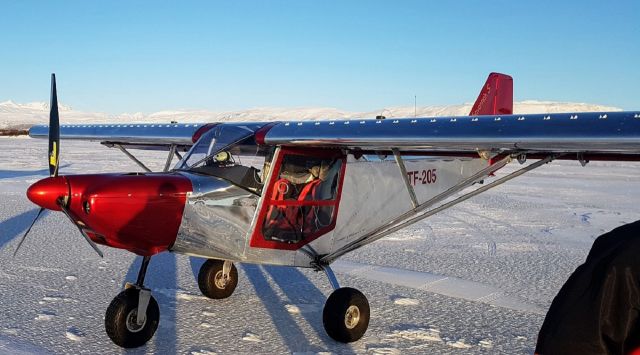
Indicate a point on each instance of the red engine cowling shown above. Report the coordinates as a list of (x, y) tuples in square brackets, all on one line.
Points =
[(137, 212)]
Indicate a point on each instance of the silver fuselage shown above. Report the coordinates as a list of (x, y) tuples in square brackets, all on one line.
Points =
[(219, 218)]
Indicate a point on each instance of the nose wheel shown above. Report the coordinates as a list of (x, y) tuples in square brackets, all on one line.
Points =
[(125, 324), (133, 316)]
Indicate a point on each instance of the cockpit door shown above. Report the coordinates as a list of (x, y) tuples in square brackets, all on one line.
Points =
[(300, 202)]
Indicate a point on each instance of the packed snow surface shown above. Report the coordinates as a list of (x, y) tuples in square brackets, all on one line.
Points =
[(476, 278)]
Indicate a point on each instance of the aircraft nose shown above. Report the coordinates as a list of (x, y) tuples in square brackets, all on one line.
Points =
[(45, 193)]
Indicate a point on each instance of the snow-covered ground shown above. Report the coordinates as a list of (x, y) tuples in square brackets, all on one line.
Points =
[(476, 278)]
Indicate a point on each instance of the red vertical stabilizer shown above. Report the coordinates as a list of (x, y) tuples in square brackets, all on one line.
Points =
[(496, 96)]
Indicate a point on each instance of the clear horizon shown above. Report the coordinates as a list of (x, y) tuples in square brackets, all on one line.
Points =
[(359, 55)]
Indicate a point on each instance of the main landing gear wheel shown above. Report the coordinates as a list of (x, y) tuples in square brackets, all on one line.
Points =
[(346, 315), (212, 279), (121, 320)]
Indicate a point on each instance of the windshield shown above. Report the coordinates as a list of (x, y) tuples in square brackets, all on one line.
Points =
[(213, 142), (229, 152)]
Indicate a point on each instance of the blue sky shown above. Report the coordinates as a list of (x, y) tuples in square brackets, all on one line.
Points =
[(129, 56)]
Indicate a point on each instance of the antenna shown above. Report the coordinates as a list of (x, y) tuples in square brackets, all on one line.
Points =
[(381, 116), (415, 106)]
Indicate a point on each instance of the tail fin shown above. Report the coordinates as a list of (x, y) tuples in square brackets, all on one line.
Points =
[(496, 96)]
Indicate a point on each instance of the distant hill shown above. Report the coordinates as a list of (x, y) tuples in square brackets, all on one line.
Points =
[(15, 116)]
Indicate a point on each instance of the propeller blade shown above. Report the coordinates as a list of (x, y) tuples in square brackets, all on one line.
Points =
[(54, 130), (92, 243), (27, 232), (81, 229)]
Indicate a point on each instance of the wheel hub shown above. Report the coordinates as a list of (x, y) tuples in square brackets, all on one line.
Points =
[(352, 317), (219, 280), (132, 324)]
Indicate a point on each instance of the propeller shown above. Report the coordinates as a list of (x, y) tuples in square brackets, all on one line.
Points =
[(81, 228), (54, 145), (54, 130), (27, 232), (54, 163)]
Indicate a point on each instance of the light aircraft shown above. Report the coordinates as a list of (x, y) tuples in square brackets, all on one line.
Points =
[(301, 193)]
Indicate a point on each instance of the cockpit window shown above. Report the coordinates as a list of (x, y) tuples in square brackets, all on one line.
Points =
[(213, 142), (229, 152), (301, 201)]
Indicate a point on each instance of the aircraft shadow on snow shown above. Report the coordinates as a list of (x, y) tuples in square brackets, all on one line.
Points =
[(16, 225), (12, 174), (298, 290)]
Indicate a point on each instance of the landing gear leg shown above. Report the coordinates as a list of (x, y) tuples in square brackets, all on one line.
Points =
[(133, 315), (346, 313)]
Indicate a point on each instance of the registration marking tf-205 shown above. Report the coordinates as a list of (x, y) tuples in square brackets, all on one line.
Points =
[(422, 177)]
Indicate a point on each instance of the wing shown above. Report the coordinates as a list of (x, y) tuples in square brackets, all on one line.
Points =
[(542, 138), (605, 133), (137, 136), (611, 133)]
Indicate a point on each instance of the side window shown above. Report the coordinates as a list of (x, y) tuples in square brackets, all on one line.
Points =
[(302, 199)]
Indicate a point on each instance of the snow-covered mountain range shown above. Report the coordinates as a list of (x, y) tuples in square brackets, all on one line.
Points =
[(20, 116)]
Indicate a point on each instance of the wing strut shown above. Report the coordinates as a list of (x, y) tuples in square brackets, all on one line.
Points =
[(172, 151), (405, 177), (417, 214), (135, 160)]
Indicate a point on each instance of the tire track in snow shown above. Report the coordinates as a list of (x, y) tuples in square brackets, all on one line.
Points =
[(443, 285), (486, 230)]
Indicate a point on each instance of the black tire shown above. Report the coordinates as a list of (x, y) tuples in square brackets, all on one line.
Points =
[(119, 320), (337, 323), (210, 272)]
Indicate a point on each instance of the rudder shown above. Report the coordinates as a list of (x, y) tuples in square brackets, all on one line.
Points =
[(496, 96)]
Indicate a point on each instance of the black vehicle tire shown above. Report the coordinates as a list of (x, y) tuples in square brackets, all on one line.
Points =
[(120, 320), (346, 315), (210, 279)]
